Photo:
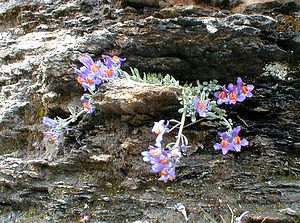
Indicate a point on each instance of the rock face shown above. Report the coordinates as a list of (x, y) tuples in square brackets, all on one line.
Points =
[(98, 170)]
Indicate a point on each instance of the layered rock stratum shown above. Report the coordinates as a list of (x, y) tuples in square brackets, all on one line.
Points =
[(98, 171)]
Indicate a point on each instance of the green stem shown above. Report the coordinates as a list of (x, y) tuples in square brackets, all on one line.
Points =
[(174, 127), (180, 130), (199, 120), (227, 123), (72, 119)]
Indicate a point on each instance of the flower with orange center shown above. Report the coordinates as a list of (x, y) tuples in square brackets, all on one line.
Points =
[(163, 172), (236, 140), (232, 96), (222, 96), (201, 106), (114, 61), (225, 145), (232, 93), (167, 174), (244, 91), (79, 80), (94, 67), (109, 72), (89, 80), (53, 136), (224, 142), (116, 58), (87, 106), (152, 155), (164, 161), (170, 178), (155, 152)]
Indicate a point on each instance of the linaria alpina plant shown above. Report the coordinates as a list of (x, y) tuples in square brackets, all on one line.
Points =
[(198, 102), (89, 76)]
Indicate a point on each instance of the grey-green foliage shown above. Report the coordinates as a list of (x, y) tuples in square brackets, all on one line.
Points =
[(75, 112), (152, 78), (187, 101), (208, 87), (203, 91)]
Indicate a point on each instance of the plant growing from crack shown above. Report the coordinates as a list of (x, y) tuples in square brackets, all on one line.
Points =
[(89, 76), (198, 102)]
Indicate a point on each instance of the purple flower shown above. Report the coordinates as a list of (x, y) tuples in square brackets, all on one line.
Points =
[(112, 61), (87, 79), (159, 129), (93, 73), (162, 161), (176, 153), (230, 141), (225, 145), (112, 64), (244, 91), (232, 94), (57, 128), (164, 166), (167, 174), (222, 96), (237, 142), (50, 122), (54, 136), (152, 155), (87, 106), (107, 72), (201, 106), (89, 63)]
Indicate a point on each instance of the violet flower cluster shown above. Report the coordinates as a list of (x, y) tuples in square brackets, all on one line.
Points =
[(56, 129), (197, 101), (163, 161), (234, 93), (95, 73), (230, 141), (89, 77)]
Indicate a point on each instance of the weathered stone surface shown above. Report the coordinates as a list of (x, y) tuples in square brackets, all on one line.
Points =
[(223, 4), (284, 7), (98, 171), (137, 102)]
